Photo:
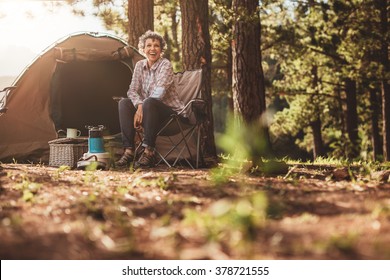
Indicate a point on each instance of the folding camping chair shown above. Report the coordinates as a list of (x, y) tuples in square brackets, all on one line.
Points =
[(3, 99), (180, 133)]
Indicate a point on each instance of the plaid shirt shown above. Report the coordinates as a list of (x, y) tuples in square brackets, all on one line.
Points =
[(156, 82)]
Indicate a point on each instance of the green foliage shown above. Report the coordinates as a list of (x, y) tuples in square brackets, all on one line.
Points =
[(161, 182), (381, 211), (334, 37), (232, 222), (63, 168), (113, 13), (343, 243), (243, 146), (29, 189)]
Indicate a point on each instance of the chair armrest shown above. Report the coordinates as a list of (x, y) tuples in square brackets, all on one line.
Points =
[(192, 101), (117, 98)]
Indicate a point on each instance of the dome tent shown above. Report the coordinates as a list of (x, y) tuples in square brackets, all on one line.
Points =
[(70, 84)]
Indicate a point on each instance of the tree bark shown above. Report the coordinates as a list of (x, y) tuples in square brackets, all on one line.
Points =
[(384, 80), (196, 50), (167, 53), (141, 19), (229, 78), (352, 117), (248, 85), (248, 78), (318, 145), (375, 133)]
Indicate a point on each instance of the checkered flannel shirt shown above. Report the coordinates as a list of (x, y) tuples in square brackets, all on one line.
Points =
[(156, 82)]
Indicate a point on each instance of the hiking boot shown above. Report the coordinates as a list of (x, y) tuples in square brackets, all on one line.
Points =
[(125, 160), (146, 160)]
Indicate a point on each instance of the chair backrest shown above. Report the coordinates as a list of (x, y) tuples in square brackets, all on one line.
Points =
[(188, 84)]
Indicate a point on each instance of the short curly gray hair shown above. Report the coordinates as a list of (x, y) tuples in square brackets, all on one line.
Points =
[(151, 35)]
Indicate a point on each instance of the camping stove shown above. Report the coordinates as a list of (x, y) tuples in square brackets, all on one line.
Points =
[(96, 153)]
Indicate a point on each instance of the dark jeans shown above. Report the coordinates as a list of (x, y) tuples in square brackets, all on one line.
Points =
[(155, 115)]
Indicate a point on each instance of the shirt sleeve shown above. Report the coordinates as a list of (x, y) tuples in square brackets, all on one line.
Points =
[(134, 92), (164, 79)]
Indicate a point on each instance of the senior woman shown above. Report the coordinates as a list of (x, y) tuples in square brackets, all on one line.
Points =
[(152, 98)]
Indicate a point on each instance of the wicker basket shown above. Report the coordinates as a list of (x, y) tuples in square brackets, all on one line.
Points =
[(67, 151)]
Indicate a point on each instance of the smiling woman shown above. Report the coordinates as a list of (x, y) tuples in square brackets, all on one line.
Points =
[(29, 26)]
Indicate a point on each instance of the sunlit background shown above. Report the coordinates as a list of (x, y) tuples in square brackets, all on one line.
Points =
[(27, 27)]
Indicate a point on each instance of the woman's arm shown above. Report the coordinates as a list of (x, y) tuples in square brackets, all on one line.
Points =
[(135, 88)]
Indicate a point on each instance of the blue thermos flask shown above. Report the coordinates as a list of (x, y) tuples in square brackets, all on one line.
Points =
[(95, 139)]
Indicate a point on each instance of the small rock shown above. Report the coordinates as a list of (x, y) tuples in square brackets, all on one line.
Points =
[(340, 174)]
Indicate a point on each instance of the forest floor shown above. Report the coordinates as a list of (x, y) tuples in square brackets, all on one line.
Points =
[(309, 212)]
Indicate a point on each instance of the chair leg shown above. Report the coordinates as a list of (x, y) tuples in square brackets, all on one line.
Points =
[(162, 158), (138, 146), (197, 146), (184, 138)]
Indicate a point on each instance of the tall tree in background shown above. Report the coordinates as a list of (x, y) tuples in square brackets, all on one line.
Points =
[(248, 77), (196, 50), (316, 124), (141, 19), (324, 35), (383, 7), (377, 147)]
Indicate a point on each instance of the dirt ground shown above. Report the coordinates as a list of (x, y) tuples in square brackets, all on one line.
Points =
[(306, 213)]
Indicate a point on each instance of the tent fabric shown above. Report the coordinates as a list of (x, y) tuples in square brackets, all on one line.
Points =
[(70, 84), (87, 54)]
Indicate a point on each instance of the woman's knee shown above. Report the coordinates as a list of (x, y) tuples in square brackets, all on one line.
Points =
[(125, 104), (150, 104)]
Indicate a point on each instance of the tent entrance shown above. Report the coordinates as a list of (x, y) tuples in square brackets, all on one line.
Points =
[(82, 91)]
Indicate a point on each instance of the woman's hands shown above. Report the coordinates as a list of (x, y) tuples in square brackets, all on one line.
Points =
[(138, 117)]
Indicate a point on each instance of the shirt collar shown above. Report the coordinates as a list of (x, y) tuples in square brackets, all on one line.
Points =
[(154, 66)]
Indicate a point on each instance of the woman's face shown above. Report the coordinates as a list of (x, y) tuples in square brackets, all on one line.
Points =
[(152, 50)]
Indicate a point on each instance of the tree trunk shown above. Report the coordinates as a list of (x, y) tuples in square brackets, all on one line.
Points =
[(384, 81), (229, 64), (175, 38), (167, 53), (375, 112), (318, 145), (342, 116), (141, 19), (248, 78), (248, 92), (229, 78), (352, 117), (196, 51), (386, 121)]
